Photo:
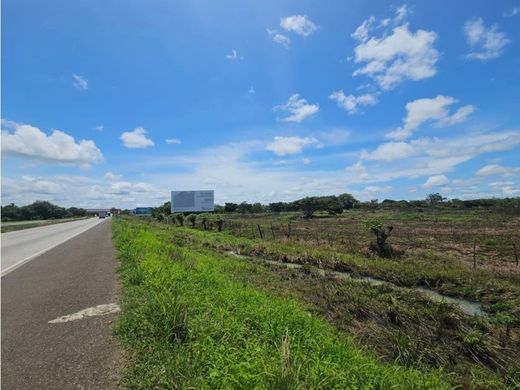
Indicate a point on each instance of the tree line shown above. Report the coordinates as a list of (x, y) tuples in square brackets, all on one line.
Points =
[(336, 204), (39, 210)]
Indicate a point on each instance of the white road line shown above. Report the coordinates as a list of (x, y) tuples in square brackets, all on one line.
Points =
[(12, 267), (99, 310)]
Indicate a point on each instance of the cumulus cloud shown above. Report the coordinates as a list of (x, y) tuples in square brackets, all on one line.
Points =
[(351, 103), (390, 151), (30, 185), (297, 108), (395, 55), (495, 169), (436, 181), (299, 24), (234, 56), (79, 82), (29, 141), (136, 139), (435, 109), (291, 145), (427, 156), (173, 141), (373, 191), (485, 42), (112, 177)]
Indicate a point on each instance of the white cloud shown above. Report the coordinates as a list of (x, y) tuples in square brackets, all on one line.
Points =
[(234, 56), (351, 102), (80, 82), (125, 188), (173, 141), (373, 191), (299, 24), (435, 109), (282, 40), (495, 169), (436, 181), (28, 184), (291, 145), (396, 55), (401, 13), (362, 32), (298, 108), (485, 43), (390, 151), (99, 128), (29, 141), (513, 12), (251, 90), (136, 139), (112, 177)]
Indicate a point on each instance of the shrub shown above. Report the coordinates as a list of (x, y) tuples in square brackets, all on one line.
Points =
[(180, 219), (192, 218)]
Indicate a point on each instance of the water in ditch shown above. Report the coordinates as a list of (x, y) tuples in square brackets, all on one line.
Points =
[(467, 307)]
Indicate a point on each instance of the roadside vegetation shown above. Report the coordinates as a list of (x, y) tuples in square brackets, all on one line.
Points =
[(397, 324), (192, 318), (39, 210)]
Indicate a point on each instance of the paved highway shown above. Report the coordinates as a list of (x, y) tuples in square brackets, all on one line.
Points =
[(57, 309), (23, 245)]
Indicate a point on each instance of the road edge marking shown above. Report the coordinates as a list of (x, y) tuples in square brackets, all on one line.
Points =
[(94, 311)]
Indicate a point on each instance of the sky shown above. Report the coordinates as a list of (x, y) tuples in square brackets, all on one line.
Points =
[(115, 104)]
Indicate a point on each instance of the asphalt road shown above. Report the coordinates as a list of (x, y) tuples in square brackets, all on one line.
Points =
[(64, 354), (23, 245)]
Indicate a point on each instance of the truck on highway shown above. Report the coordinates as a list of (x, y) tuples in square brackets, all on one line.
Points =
[(102, 214)]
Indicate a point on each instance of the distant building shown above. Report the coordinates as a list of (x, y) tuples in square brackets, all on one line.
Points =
[(143, 211)]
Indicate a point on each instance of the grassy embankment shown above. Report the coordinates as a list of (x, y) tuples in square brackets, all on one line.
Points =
[(400, 325), (190, 320)]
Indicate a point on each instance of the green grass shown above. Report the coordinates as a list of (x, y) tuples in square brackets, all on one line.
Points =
[(499, 295), (187, 322)]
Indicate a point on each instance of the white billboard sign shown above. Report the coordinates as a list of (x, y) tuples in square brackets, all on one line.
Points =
[(190, 201)]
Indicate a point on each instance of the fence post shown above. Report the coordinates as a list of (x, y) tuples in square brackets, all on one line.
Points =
[(272, 231), (474, 253), (260, 231)]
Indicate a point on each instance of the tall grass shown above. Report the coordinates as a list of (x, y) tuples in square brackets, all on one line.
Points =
[(188, 323)]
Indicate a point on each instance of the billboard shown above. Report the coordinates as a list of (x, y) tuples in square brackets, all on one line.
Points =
[(189, 201)]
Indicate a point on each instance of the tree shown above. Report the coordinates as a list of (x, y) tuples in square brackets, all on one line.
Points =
[(435, 198), (347, 201), (244, 207), (308, 206), (257, 208), (230, 207), (276, 207)]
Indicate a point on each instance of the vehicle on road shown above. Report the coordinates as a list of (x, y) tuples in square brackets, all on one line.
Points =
[(102, 214)]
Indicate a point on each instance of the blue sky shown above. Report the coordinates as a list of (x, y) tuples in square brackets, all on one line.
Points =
[(112, 104)]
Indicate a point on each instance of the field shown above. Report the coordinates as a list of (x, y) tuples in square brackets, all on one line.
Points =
[(274, 301)]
